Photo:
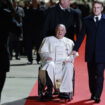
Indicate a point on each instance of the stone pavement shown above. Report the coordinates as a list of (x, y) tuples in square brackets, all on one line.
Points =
[(19, 82)]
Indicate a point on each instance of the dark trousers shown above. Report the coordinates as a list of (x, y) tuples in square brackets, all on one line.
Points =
[(96, 78), (14, 44), (2, 81), (28, 48), (29, 54)]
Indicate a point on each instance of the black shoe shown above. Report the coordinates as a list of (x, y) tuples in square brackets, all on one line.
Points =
[(97, 100), (92, 98), (38, 62), (41, 95), (29, 63), (17, 58), (65, 95), (55, 92), (48, 95)]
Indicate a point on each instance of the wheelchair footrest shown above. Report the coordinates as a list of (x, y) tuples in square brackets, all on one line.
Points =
[(65, 96)]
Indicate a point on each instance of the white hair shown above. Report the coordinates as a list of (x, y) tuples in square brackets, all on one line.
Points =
[(60, 25)]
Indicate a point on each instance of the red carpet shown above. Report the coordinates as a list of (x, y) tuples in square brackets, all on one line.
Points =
[(82, 93)]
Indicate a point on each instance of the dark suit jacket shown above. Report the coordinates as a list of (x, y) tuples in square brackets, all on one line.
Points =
[(6, 25), (55, 15), (32, 26), (95, 40)]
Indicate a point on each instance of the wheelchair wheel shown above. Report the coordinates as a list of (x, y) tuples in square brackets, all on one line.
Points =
[(40, 88)]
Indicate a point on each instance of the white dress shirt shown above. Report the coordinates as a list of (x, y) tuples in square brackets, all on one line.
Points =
[(99, 17)]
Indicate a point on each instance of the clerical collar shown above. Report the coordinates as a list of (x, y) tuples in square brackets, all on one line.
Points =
[(64, 9), (61, 7), (99, 17)]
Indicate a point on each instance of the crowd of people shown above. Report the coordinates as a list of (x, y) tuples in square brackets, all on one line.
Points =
[(23, 29), (34, 16)]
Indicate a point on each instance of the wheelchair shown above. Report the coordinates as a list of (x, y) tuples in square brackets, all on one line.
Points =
[(42, 86)]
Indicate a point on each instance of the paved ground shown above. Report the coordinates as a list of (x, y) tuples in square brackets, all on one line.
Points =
[(19, 82)]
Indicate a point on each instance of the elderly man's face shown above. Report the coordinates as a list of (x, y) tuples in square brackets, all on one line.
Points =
[(60, 32), (97, 9), (65, 3)]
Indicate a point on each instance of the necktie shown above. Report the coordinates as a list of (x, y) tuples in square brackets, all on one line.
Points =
[(96, 20)]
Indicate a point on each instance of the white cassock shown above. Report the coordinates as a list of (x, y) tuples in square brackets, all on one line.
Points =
[(58, 50)]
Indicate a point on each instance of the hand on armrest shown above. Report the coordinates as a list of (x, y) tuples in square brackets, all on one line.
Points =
[(71, 57), (74, 53)]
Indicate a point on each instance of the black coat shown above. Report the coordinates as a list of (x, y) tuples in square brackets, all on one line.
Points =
[(95, 41), (32, 27), (7, 25), (55, 16)]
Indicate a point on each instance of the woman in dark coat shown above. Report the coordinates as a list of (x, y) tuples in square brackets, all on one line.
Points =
[(7, 24)]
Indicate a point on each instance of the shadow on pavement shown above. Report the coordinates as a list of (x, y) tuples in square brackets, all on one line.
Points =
[(35, 100), (24, 64), (55, 101), (17, 102)]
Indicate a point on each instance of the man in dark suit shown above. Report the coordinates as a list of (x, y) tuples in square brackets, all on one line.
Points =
[(7, 24), (94, 28), (61, 13), (30, 30)]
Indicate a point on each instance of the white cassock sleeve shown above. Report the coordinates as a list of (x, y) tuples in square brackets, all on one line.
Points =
[(44, 53), (71, 57)]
